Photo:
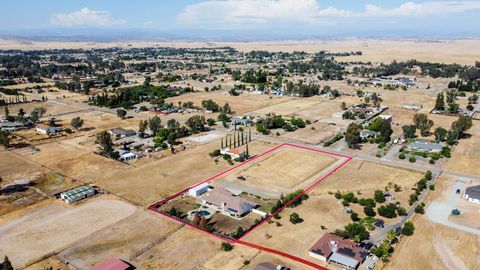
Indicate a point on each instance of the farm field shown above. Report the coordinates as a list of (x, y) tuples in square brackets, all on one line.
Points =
[(51, 226), (466, 158), (75, 161), (174, 251), (317, 211), (283, 171), (315, 133), (363, 176), (242, 104), (156, 180), (124, 240)]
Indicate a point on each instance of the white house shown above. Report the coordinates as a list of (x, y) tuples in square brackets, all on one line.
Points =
[(128, 156), (198, 190), (233, 153), (48, 130)]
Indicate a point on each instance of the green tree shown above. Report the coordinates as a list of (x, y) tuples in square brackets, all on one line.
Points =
[(352, 135), (388, 211), (378, 196), (36, 114), (121, 113), (409, 131), (422, 122), (196, 123), (5, 138), (147, 81), (369, 211), (408, 228), (154, 124), (440, 134), (104, 139), (383, 127), (142, 126), (357, 232), (440, 102), (7, 265), (463, 124), (76, 122)]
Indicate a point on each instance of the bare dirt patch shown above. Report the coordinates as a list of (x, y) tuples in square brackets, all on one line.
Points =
[(123, 240), (283, 170), (185, 249), (52, 225), (436, 247), (362, 176)]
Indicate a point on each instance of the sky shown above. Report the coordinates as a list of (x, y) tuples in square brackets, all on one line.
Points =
[(242, 18)]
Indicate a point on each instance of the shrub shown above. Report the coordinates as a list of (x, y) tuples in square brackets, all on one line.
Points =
[(431, 161), (412, 159), (295, 218), (354, 217), (420, 209), (401, 156), (226, 246), (378, 196), (408, 228), (431, 187)]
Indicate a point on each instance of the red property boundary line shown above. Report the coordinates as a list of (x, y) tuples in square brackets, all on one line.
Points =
[(154, 206)]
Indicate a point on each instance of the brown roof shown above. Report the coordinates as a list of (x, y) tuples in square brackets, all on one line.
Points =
[(112, 264), (330, 243), (219, 196)]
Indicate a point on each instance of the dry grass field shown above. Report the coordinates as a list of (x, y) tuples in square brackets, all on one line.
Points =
[(363, 176), (162, 178), (13, 165), (51, 226), (75, 161), (288, 108), (297, 239), (315, 133), (466, 153), (53, 262), (284, 170), (241, 104), (185, 249), (123, 240), (436, 247)]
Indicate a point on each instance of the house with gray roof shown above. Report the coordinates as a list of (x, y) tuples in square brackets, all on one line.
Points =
[(432, 147), (472, 194), (227, 203)]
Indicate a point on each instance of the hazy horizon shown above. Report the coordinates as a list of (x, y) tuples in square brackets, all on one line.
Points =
[(239, 19)]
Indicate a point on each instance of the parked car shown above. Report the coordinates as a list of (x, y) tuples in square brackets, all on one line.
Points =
[(398, 231), (379, 223)]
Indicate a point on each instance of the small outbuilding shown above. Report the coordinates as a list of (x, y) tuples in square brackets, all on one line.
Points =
[(199, 190)]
